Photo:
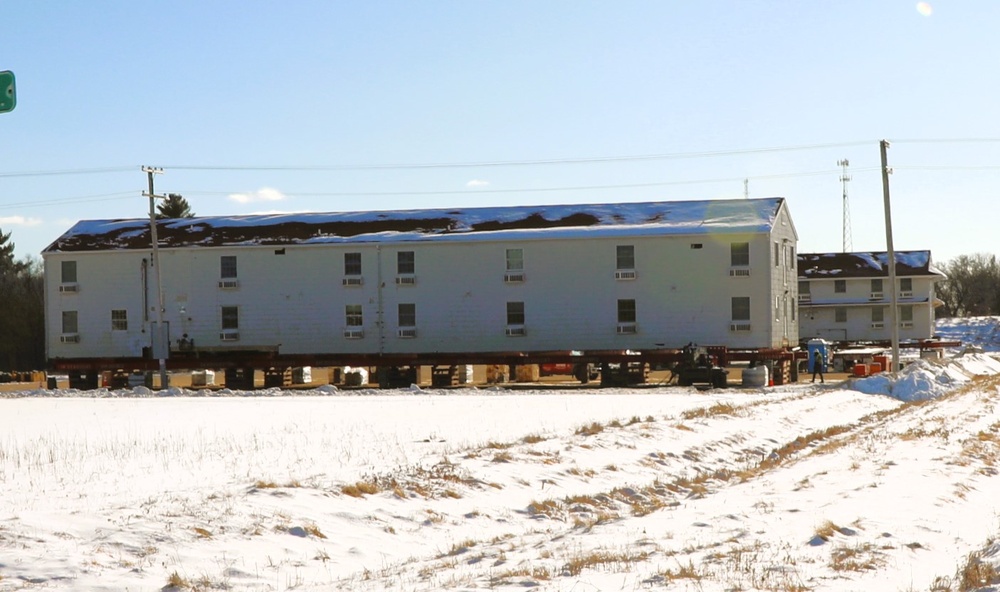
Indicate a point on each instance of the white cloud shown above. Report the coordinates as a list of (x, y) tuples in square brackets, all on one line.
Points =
[(477, 183), (19, 221), (262, 194)]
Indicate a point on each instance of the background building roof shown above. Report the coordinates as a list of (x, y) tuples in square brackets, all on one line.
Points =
[(817, 266)]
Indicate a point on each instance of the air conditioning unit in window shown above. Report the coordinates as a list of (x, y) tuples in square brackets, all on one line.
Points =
[(229, 336), (353, 281), (354, 333), (70, 338), (805, 297), (406, 280), (229, 284), (627, 329), (875, 296), (513, 278), (625, 274), (408, 333), (515, 332), (739, 327), (906, 294), (69, 288), (878, 325), (739, 272), (906, 324)]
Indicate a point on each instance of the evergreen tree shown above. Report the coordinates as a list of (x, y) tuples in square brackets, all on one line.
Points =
[(174, 206), (7, 262)]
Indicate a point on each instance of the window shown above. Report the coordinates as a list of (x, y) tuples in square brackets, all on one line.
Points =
[(515, 313), (739, 254), (696, 245), (906, 284), (353, 315), (625, 257), (803, 287), (69, 324), (405, 262), (878, 314), (840, 314), (626, 311), (228, 267), (69, 272), (407, 314), (515, 259), (741, 308), (777, 254), (906, 314), (840, 286), (877, 285), (230, 318), (119, 320), (352, 263)]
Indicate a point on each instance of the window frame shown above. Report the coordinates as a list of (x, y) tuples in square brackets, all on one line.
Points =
[(739, 254), (840, 286), (352, 264), (840, 314), (627, 311), (515, 313), (354, 315), (625, 257), (68, 271), (119, 319), (406, 317), (228, 267), (406, 262), (740, 309), (70, 322), (229, 318), (514, 259)]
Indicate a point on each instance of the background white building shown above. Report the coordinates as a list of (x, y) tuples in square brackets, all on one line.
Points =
[(846, 296)]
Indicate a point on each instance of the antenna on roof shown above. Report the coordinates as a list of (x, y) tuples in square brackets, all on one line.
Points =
[(844, 178)]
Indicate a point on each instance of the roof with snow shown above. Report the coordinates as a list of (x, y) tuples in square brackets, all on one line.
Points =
[(494, 223), (818, 266)]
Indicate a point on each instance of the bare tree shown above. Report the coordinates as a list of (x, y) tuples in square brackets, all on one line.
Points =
[(973, 286)]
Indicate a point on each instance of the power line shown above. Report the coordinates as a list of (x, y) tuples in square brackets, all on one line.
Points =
[(61, 172)]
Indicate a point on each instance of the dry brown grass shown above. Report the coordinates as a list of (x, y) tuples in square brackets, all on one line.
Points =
[(976, 573), (533, 439), (683, 572), (616, 560), (177, 581), (314, 531), (202, 533), (717, 409), (361, 488), (590, 430), (858, 558)]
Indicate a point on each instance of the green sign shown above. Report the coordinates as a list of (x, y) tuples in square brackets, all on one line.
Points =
[(7, 97)]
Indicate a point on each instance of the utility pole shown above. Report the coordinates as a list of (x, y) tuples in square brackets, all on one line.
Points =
[(893, 306), (160, 340), (844, 178)]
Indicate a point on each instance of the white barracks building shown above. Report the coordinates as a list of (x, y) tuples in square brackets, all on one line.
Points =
[(626, 276)]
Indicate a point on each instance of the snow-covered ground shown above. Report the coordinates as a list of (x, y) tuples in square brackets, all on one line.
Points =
[(870, 484)]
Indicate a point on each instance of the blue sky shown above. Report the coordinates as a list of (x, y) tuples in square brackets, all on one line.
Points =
[(316, 105)]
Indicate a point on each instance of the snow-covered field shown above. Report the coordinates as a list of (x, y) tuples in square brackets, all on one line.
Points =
[(869, 484)]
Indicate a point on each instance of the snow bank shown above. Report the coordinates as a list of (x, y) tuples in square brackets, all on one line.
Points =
[(929, 379)]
